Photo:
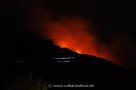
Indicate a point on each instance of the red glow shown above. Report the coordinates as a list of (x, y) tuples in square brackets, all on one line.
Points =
[(75, 34)]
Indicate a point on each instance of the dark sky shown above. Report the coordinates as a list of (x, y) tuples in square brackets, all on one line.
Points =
[(114, 20)]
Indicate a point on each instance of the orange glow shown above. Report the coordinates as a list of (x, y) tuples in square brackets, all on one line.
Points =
[(78, 51), (74, 33)]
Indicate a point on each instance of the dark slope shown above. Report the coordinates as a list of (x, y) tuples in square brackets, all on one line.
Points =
[(21, 55), (89, 69)]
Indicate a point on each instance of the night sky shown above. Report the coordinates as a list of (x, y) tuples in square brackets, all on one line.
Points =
[(111, 23)]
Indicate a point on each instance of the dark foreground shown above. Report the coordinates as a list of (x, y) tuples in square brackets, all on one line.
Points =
[(43, 65)]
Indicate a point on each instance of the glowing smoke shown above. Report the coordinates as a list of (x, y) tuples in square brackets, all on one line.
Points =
[(75, 33)]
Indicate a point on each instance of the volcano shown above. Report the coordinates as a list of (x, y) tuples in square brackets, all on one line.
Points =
[(63, 66)]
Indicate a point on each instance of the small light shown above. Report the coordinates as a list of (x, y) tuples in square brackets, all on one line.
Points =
[(78, 52)]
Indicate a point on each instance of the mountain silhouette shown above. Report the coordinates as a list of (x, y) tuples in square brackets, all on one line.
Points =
[(61, 65)]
